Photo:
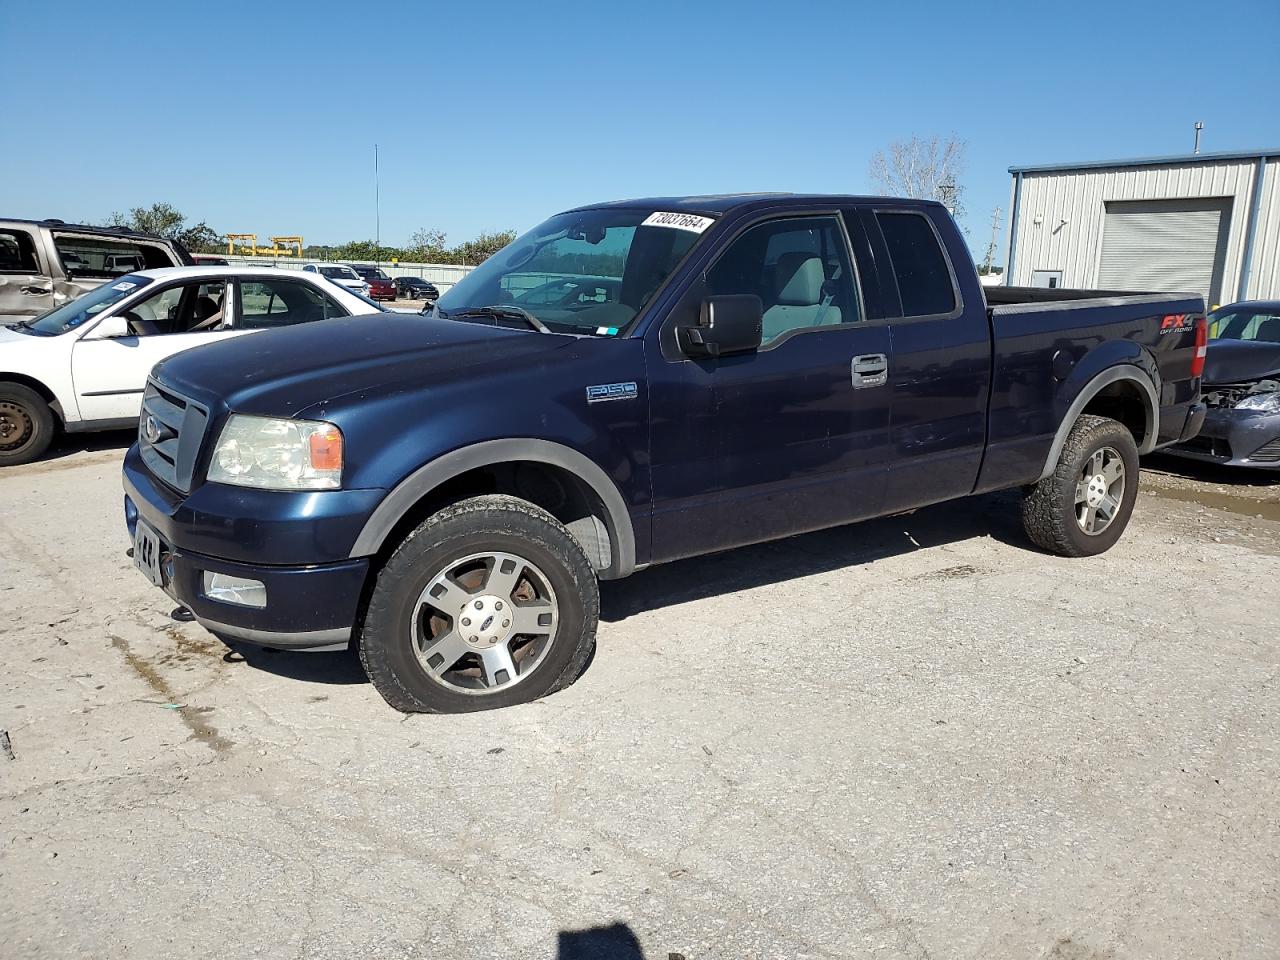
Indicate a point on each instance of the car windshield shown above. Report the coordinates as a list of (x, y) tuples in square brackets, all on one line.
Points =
[(76, 313), (1246, 324), (590, 271), (339, 273)]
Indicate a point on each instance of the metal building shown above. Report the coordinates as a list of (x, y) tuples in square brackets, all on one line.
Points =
[(1207, 223)]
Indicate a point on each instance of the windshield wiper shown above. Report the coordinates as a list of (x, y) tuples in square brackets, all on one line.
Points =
[(500, 310)]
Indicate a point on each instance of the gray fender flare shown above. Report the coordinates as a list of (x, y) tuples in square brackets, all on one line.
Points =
[(1124, 371), (421, 482)]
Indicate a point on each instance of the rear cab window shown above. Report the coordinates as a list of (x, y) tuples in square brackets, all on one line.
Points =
[(920, 266)]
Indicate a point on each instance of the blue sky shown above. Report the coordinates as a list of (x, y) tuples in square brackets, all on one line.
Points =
[(261, 117)]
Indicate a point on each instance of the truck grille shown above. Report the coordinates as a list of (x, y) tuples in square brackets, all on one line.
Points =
[(170, 431)]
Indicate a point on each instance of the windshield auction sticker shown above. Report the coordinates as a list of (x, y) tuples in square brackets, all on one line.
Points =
[(680, 221)]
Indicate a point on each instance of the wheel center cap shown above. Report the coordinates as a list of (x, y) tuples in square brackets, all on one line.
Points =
[(485, 621), (1097, 491)]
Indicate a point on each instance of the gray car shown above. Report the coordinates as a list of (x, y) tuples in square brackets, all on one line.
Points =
[(46, 263), (1241, 388)]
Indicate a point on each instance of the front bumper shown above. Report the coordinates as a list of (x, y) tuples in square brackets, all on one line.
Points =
[(1237, 438), (309, 606)]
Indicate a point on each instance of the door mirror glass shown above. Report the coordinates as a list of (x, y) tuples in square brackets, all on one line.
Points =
[(727, 324)]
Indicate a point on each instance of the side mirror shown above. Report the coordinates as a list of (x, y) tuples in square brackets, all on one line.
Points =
[(112, 328), (726, 325)]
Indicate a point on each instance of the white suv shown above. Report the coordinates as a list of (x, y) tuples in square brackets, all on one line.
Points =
[(337, 273), (84, 365)]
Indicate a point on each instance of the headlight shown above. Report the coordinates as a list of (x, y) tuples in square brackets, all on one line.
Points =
[(1267, 402), (278, 454)]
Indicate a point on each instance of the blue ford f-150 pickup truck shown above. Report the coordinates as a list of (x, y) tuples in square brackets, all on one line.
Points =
[(443, 491)]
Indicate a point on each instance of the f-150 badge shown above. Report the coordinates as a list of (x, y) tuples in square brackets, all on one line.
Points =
[(612, 391)]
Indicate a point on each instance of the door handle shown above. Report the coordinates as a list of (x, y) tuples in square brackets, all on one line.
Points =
[(36, 291), (870, 370)]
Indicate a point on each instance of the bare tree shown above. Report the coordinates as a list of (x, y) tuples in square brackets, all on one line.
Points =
[(926, 168)]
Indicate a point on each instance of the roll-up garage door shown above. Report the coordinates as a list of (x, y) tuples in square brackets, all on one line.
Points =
[(1165, 246)]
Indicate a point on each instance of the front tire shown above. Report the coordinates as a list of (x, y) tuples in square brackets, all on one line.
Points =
[(26, 424), (1083, 507), (488, 603)]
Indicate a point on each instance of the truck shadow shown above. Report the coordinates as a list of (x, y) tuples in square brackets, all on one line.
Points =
[(994, 515)]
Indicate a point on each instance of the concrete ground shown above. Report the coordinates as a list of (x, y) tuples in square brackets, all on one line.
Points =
[(912, 738)]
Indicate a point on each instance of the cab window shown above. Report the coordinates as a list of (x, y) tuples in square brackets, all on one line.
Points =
[(798, 267), (919, 265)]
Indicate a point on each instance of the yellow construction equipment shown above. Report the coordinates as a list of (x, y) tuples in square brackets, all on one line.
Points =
[(249, 240), (248, 246)]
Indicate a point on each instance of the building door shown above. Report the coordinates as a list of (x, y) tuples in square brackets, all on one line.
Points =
[(1165, 246), (1051, 279)]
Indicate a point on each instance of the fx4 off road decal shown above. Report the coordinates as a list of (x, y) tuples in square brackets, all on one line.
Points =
[(1177, 323)]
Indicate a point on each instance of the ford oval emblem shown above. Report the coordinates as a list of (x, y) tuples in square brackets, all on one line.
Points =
[(151, 429)]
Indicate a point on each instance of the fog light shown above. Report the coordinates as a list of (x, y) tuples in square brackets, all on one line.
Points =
[(237, 590)]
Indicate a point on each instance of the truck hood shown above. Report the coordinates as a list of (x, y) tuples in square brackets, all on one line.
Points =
[(1240, 361), (282, 372)]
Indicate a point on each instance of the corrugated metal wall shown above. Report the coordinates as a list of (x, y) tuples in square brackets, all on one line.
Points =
[(1264, 272), (1079, 197), (443, 275)]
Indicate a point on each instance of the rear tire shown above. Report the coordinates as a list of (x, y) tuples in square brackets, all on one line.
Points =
[(480, 562), (1083, 507), (26, 424)]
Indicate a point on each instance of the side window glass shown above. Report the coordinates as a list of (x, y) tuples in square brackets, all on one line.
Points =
[(924, 281), (281, 303), (106, 257), (193, 308), (799, 268), (17, 252)]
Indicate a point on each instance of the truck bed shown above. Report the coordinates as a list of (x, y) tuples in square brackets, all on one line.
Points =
[(998, 297)]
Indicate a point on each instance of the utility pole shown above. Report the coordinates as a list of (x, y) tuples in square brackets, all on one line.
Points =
[(991, 247), (1199, 127), (377, 206), (947, 194)]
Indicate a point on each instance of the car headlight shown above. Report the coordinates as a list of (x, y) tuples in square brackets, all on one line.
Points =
[(278, 454), (1267, 402)]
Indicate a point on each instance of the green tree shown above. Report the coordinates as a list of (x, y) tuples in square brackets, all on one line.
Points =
[(165, 220), (483, 247)]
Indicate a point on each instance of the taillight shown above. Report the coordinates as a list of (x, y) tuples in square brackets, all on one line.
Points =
[(1202, 346)]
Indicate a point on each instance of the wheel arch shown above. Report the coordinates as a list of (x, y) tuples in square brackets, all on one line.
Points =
[(511, 465), (41, 388), (1123, 392)]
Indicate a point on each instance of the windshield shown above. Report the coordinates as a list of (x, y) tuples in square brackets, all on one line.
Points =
[(1255, 324), (76, 312), (339, 273), (591, 271)]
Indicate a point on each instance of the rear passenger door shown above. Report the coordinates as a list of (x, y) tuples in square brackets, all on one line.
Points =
[(753, 446), (941, 347)]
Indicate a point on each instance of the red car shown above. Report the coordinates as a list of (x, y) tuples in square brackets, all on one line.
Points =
[(381, 287)]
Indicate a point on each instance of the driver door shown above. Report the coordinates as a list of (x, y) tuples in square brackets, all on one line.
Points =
[(110, 373)]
